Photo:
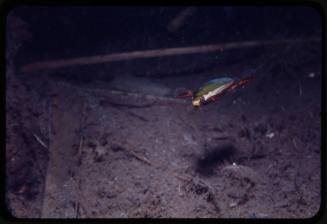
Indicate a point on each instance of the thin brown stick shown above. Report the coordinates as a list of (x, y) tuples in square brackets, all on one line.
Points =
[(79, 153), (49, 114), (141, 158), (128, 147), (188, 178), (54, 64), (77, 210), (80, 197), (184, 178)]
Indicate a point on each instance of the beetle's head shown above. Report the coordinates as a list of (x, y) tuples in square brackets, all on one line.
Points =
[(196, 103)]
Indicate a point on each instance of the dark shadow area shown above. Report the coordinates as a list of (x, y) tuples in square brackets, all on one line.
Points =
[(206, 164)]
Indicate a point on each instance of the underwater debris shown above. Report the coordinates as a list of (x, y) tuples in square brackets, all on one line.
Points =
[(242, 172), (100, 152), (270, 135), (233, 204), (127, 147), (206, 164), (40, 141)]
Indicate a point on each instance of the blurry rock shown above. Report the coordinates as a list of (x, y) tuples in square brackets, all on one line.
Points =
[(270, 135), (233, 204), (242, 173), (100, 152)]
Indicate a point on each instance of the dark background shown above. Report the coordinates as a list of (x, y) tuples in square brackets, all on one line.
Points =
[(67, 31)]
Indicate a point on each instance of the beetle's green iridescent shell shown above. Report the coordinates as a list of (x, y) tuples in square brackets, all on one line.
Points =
[(210, 86)]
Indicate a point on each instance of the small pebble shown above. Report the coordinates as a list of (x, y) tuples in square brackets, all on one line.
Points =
[(270, 135)]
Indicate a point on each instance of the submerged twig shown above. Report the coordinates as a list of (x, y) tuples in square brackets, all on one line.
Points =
[(49, 112), (61, 63), (40, 141), (243, 172), (184, 178), (139, 157), (79, 153), (80, 196), (136, 155), (77, 210), (192, 179)]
